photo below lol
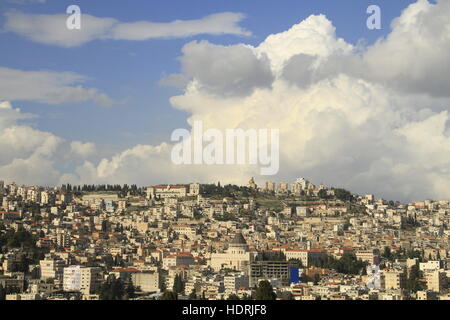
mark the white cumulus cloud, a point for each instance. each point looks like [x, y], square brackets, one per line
[48, 87]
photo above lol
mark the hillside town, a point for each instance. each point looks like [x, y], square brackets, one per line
[207, 241]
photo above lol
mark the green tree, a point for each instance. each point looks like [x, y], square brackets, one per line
[2, 293]
[316, 279]
[169, 295]
[347, 264]
[233, 297]
[131, 291]
[343, 195]
[20, 239]
[112, 289]
[265, 291]
[162, 286]
[322, 194]
[192, 295]
[414, 282]
[387, 253]
[178, 285]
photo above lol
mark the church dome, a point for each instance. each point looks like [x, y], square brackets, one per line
[238, 241]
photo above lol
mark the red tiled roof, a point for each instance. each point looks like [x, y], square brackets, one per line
[126, 270]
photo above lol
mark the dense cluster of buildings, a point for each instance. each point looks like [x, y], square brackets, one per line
[168, 232]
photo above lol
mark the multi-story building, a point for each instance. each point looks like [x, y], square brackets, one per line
[370, 256]
[178, 259]
[186, 230]
[52, 267]
[34, 194]
[83, 279]
[394, 279]
[270, 186]
[45, 197]
[436, 280]
[234, 282]
[63, 240]
[306, 257]
[146, 281]
[12, 284]
[270, 270]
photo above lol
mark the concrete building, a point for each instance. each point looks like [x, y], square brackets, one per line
[52, 267]
[278, 271]
[83, 279]
[306, 257]
[370, 256]
[148, 281]
[178, 259]
[436, 280]
[394, 279]
[270, 186]
[283, 187]
[234, 282]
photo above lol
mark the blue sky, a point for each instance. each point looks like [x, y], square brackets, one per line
[129, 71]
[356, 108]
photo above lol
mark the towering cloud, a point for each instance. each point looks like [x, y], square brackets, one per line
[33, 156]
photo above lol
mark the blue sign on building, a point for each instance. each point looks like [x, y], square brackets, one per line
[295, 275]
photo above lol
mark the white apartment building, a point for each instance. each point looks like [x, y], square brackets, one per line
[83, 279]
[233, 283]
